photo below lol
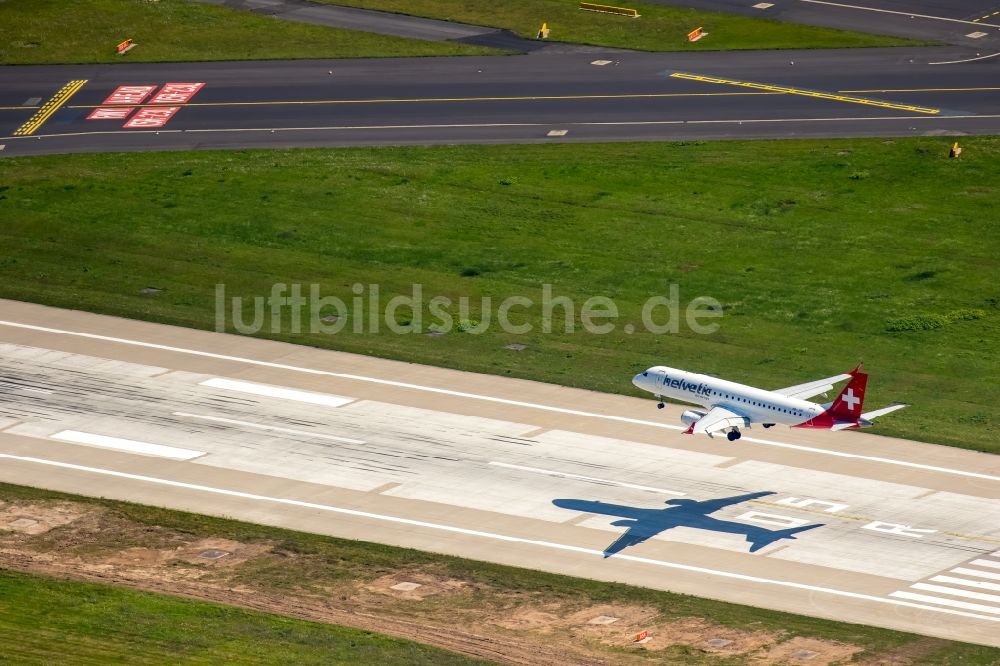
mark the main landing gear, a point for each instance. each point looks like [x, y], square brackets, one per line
[733, 435]
[768, 425]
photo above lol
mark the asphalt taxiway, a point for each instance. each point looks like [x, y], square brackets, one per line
[896, 534]
[974, 23]
[532, 98]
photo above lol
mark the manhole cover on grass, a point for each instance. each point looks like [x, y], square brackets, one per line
[604, 619]
[213, 554]
[434, 334]
[718, 642]
[803, 655]
[405, 587]
[517, 346]
[21, 523]
[149, 291]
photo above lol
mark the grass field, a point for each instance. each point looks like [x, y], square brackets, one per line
[659, 28]
[86, 31]
[34, 613]
[822, 253]
[46, 621]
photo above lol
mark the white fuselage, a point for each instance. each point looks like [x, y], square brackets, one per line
[758, 405]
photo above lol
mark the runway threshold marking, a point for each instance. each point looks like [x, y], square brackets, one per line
[50, 107]
[490, 535]
[806, 93]
[486, 398]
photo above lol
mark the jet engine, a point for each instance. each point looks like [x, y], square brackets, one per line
[691, 416]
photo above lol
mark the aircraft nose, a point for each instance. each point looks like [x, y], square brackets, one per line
[641, 379]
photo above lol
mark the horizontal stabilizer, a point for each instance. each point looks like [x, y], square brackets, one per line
[810, 389]
[882, 412]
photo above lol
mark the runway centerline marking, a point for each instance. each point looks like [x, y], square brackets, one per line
[496, 536]
[262, 426]
[806, 93]
[416, 100]
[890, 11]
[50, 107]
[580, 477]
[485, 398]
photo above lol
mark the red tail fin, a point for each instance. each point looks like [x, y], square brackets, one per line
[848, 404]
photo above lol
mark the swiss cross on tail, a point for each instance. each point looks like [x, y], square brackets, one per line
[848, 404]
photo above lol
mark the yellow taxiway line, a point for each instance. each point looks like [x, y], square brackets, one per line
[50, 107]
[806, 93]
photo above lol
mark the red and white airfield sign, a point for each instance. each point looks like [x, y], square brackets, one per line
[122, 102]
[110, 113]
[129, 95]
[151, 117]
[176, 93]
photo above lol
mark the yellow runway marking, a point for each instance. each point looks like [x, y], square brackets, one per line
[806, 93]
[50, 107]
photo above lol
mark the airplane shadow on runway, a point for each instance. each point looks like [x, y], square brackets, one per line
[643, 524]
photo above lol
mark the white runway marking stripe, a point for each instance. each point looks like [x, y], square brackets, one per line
[476, 396]
[952, 603]
[500, 537]
[956, 592]
[261, 426]
[277, 392]
[986, 563]
[129, 445]
[979, 574]
[968, 583]
[580, 477]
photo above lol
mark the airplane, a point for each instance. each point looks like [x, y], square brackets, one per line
[733, 406]
[643, 524]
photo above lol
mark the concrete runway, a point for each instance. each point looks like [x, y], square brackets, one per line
[579, 97]
[906, 534]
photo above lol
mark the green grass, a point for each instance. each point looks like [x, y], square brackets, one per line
[822, 252]
[45, 621]
[659, 28]
[323, 563]
[86, 31]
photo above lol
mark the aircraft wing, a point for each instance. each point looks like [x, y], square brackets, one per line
[809, 389]
[719, 418]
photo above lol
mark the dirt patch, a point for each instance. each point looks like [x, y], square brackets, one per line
[708, 637]
[32, 519]
[542, 620]
[811, 651]
[415, 585]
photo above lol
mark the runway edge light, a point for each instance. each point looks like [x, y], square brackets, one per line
[543, 32]
[955, 151]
